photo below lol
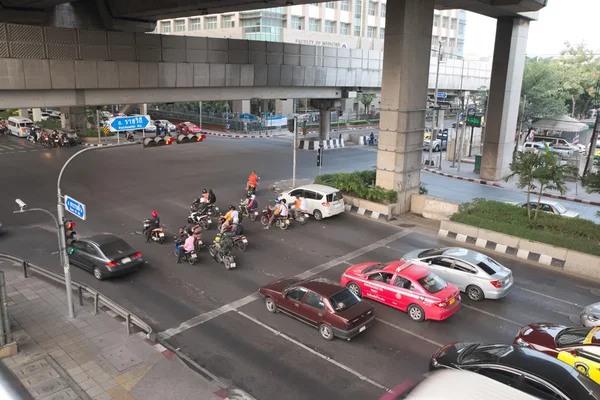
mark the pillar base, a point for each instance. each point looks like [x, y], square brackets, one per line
[9, 350]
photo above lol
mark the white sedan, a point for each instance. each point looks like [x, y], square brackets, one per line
[549, 206]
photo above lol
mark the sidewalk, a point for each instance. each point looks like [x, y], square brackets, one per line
[574, 190]
[91, 356]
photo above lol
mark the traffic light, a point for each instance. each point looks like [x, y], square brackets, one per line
[340, 113]
[291, 124]
[304, 131]
[69, 232]
[319, 153]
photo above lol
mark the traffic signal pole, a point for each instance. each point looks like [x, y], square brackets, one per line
[295, 149]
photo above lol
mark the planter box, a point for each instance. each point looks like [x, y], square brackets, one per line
[382, 209]
[432, 208]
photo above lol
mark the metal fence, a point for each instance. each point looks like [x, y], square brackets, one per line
[5, 329]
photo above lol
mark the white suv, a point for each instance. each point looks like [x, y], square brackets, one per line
[323, 201]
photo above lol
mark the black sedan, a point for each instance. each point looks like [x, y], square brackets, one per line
[525, 369]
[104, 255]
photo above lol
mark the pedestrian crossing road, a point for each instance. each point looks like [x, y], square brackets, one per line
[10, 145]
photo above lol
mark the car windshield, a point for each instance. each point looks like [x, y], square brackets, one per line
[431, 253]
[432, 283]
[560, 208]
[572, 336]
[483, 354]
[343, 300]
[190, 125]
[116, 248]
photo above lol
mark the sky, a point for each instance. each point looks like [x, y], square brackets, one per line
[575, 21]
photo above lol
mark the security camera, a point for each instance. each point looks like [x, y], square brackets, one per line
[21, 204]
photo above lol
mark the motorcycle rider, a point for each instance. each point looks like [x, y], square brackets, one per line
[252, 181]
[297, 206]
[231, 218]
[280, 211]
[212, 199]
[205, 195]
[154, 223]
[250, 204]
[188, 246]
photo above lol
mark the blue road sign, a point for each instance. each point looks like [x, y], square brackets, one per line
[246, 116]
[442, 95]
[74, 207]
[129, 123]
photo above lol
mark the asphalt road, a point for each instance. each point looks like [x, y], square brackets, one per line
[213, 315]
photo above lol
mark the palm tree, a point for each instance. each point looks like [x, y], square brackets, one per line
[550, 175]
[524, 167]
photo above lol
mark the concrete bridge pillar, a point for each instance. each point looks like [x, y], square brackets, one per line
[504, 97]
[284, 106]
[23, 112]
[37, 114]
[407, 50]
[325, 107]
[241, 107]
[73, 118]
[143, 109]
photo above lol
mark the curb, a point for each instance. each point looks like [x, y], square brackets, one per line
[573, 199]
[240, 136]
[109, 144]
[367, 213]
[462, 178]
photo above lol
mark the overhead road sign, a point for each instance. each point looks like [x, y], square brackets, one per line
[75, 207]
[442, 95]
[131, 123]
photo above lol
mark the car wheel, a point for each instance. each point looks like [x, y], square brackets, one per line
[270, 304]
[98, 274]
[475, 293]
[437, 148]
[318, 215]
[354, 288]
[416, 313]
[326, 332]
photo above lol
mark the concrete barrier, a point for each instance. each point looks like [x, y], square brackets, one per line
[305, 144]
[417, 203]
[543, 248]
[364, 207]
[582, 264]
[438, 209]
[497, 237]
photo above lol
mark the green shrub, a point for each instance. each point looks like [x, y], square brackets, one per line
[373, 121]
[359, 122]
[49, 123]
[359, 184]
[8, 113]
[93, 132]
[572, 233]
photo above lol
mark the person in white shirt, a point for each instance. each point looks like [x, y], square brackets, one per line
[281, 211]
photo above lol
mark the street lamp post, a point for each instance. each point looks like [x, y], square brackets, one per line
[435, 104]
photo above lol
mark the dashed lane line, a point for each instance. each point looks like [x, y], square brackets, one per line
[207, 316]
[492, 315]
[433, 342]
[549, 297]
[315, 352]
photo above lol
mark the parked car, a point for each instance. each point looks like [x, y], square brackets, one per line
[323, 201]
[535, 147]
[475, 274]
[105, 255]
[551, 338]
[327, 306]
[187, 127]
[549, 206]
[405, 286]
[438, 144]
[561, 145]
[590, 316]
[527, 370]
[453, 384]
[167, 125]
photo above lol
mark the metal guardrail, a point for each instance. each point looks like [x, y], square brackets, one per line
[99, 298]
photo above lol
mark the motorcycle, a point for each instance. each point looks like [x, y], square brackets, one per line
[46, 141]
[281, 223]
[55, 140]
[190, 256]
[222, 253]
[31, 135]
[239, 241]
[158, 234]
[65, 141]
[239, 229]
[196, 217]
[252, 214]
[251, 189]
[198, 245]
[301, 217]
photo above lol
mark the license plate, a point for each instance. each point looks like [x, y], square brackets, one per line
[245, 240]
[161, 234]
[126, 260]
[194, 255]
[255, 212]
[452, 301]
[232, 265]
[506, 280]
[362, 328]
[209, 221]
[287, 221]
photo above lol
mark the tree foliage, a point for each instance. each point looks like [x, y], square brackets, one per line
[579, 68]
[366, 99]
[479, 98]
[523, 167]
[591, 182]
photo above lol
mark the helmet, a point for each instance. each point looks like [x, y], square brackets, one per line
[231, 207]
[154, 214]
[209, 190]
[283, 201]
[253, 197]
[276, 201]
[203, 191]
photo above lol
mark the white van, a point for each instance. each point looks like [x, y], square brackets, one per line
[459, 385]
[19, 126]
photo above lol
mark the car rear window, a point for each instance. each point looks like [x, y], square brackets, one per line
[334, 197]
[572, 336]
[484, 354]
[343, 300]
[116, 248]
[489, 266]
[432, 283]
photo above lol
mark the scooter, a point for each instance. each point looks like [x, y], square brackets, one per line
[239, 229]
[190, 256]
[251, 189]
[252, 214]
[196, 217]
[158, 234]
[221, 255]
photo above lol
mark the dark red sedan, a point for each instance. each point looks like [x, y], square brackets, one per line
[329, 307]
[551, 338]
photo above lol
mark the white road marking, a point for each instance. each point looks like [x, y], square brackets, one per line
[550, 297]
[433, 342]
[492, 315]
[207, 316]
[315, 352]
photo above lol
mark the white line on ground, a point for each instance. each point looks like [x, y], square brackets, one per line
[433, 342]
[207, 316]
[550, 297]
[315, 352]
[492, 315]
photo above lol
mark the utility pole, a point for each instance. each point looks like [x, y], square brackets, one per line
[520, 127]
[462, 73]
[200, 114]
[435, 103]
[464, 127]
[295, 149]
[591, 152]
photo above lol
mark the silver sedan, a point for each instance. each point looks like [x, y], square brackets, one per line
[477, 275]
[590, 316]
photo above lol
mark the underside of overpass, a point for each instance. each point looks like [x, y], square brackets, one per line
[141, 15]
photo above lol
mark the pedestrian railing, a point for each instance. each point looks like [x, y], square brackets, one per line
[83, 290]
[5, 329]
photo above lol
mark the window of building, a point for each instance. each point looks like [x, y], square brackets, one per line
[435, 41]
[297, 22]
[344, 28]
[436, 20]
[371, 31]
[211, 22]
[372, 8]
[179, 25]
[344, 5]
[313, 24]
[330, 4]
[452, 42]
[166, 26]
[195, 24]
[358, 9]
[227, 21]
[381, 33]
[357, 30]
[453, 23]
[330, 27]
[382, 8]
[444, 22]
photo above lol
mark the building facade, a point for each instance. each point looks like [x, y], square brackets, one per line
[354, 24]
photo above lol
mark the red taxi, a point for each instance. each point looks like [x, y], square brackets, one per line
[405, 286]
[187, 127]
